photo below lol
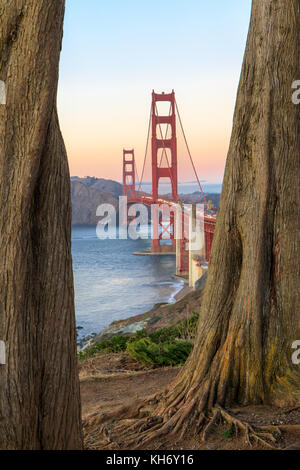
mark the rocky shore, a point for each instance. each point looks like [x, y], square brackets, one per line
[160, 316]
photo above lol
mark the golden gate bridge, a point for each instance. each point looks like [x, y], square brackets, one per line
[164, 165]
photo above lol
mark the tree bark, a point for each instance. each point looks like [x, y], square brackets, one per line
[250, 313]
[39, 387]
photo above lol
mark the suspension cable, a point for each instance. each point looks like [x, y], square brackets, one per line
[136, 172]
[146, 151]
[188, 149]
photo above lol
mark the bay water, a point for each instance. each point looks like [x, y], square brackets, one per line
[111, 283]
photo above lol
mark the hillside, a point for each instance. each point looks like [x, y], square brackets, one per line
[101, 184]
[89, 192]
[85, 200]
[196, 197]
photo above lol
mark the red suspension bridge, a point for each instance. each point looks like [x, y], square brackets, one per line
[164, 165]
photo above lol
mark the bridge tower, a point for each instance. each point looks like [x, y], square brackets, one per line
[128, 174]
[163, 143]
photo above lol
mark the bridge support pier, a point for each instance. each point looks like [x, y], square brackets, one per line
[196, 246]
[190, 245]
[182, 253]
[163, 226]
[178, 229]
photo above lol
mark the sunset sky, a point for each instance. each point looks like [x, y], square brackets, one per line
[116, 51]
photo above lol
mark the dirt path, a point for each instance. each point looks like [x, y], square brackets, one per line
[105, 393]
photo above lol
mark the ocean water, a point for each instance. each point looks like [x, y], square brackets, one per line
[112, 284]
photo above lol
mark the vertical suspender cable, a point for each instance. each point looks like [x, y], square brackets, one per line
[146, 151]
[188, 149]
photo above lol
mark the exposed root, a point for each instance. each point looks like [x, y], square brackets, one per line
[260, 435]
[174, 413]
[289, 427]
[212, 422]
[137, 430]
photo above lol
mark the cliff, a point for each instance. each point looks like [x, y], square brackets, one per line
[108, 186]
[86, 199]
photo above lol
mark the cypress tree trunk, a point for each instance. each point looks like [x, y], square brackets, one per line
[250, 314]
[39, 387]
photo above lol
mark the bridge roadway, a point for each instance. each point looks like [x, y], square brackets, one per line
[190, 261]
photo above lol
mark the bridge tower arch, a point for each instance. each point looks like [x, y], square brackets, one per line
[163, 143]
[128, 173]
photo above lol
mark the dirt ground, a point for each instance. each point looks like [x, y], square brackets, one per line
[107, 390]
[108, 381]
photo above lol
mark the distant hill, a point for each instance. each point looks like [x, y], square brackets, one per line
[101, 184]
[87, 197]
[196, 197]
[89, 192]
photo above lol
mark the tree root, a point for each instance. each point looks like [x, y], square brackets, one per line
[173, 413]
[137, 430]
[259, 435]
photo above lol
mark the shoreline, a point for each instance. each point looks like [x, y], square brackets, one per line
[179, 291]
[182, 293]
[186, 301]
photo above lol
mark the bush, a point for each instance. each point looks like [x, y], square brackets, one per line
[168, 346]
[184, 330]
[162, 354]
[115, 344]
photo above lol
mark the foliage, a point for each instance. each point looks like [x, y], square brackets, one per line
[167, 346]
[115, 344]
[161, 354]
[184, 330]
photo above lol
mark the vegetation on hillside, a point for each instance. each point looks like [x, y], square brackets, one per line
[167, 346]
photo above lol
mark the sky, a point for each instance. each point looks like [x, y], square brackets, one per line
[115, 52]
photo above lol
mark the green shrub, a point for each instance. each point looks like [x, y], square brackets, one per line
[184, 330]
[160, 354]
[115, 344]
[168, 346]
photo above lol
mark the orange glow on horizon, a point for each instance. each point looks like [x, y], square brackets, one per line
[95, 148]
